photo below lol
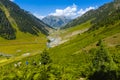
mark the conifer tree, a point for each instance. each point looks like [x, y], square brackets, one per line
[104, 67]
[45, 65]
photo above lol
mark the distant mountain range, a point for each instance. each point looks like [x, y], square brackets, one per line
[13, 20]
[56, 21]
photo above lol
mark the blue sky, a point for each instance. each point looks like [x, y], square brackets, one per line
[70, 8]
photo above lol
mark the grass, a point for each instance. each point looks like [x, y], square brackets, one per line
[70, 30]
[24, 42]
[27, 44]
[18, 58]
[72, 58]
[68, 52]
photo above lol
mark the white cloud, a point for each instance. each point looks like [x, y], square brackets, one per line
[38, 16]
[71, 11]
[82, 11]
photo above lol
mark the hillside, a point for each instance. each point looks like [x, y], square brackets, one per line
[98, 15]
[56, 21]
[20, 31]
[15, 20]
[92, 53]
[72, 58]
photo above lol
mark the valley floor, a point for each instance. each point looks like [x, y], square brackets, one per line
[72, 54]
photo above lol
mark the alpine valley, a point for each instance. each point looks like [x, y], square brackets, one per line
[85, 48]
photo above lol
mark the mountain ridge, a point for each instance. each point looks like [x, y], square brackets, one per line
[21, 21]
[56, 21]
[96, 15]
[90, 55]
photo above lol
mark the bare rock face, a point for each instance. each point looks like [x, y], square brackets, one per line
[56, 21]
[117, 4]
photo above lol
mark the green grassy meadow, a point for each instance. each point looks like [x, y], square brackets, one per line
[70, 61]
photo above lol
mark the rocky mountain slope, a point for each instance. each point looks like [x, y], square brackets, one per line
[56, 21]
[13, 20]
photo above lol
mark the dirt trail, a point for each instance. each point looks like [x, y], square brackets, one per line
[76, 33]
